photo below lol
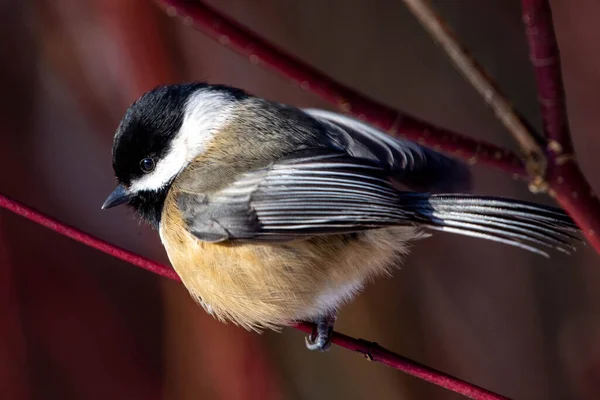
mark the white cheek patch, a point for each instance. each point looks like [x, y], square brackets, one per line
[206, 113]
[166, 168]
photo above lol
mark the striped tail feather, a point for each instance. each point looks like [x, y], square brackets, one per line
[517, 223]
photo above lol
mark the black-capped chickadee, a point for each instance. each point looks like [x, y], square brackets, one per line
[272, 214]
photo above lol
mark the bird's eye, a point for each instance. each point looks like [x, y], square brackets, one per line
[147, 165]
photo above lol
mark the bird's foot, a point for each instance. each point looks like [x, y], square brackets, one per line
[319, 342]
[320, 338]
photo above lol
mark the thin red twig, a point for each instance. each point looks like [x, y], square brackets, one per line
[370, 350]
[89, 240]
[567, 182]
[373, 352]
[261, 52]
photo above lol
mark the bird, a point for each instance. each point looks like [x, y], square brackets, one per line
[272, 214]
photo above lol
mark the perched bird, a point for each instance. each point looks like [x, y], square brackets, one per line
[272, 214]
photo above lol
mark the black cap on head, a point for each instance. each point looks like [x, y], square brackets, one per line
[145, 134]
[147, 128]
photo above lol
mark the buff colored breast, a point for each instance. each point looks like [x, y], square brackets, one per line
[258, 285]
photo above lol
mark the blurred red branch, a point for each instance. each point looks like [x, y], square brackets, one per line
[13, 347]
[565, 178]
[260, 52]
[371, 350]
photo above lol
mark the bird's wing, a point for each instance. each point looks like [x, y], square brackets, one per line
[312, 192]
[320, 192]
[414, 166]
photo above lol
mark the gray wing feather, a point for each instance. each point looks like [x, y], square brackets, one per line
[415, 166]
[315, 194]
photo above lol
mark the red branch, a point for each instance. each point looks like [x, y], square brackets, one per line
[567, 182]
[544, 56]
[82, 237]
[261, 52]
[370, 350]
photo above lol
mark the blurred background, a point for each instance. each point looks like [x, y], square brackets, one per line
[77, 324]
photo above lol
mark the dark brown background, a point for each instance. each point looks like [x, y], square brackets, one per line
[76, 324]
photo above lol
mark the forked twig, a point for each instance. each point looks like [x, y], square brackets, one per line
[553, 169]
[483, 84]
[567, 182]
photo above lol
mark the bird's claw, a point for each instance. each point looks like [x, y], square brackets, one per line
[320, 339]
[319, 342]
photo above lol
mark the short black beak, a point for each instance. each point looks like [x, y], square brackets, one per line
[119, 196]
